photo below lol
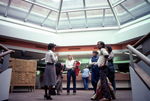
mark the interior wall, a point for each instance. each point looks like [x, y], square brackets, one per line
[139, 91]
[17, 31]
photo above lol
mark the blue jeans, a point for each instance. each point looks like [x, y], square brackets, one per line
[85, 82]
[69, 74]
[94, 78]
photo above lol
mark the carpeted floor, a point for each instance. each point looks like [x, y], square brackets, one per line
[82, 95]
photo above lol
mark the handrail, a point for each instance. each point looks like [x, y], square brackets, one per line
[143, 75]
[139, 54]
[3, 47]
[141, 40]
[7, 52]
[146, 54]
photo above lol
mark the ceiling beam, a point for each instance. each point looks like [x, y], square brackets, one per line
[147, 2]
[29, 12]
[114, 13]
[126, 10]
[69, 20]
[43, 6]
[8, 5]
[46, 18]
[58, 17]
[103, 17]
[85, 9]
[84, 5]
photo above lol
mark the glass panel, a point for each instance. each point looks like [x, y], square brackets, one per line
[77, 19]
[93, 3]
[53, 15]
[132, 3]
[95, 18]
[70, 4]
[21, 5]
[3, 5]
[94, 13]
[3, 1]
[40, 11]
[109, 19]
[76, 14]
[119, 9]
[50, 3]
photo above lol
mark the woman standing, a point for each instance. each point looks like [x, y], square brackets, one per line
[111, 69]
[50, 71]
[70, 66]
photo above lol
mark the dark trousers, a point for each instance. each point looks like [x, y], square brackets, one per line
[94, 78]
[85, 82]
[113, 82]
[69, 74]
[104, 83]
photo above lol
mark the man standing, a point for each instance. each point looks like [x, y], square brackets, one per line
[102, 61]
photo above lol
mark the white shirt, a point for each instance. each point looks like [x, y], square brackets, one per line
[70, 64]
[50, 58]
[102, 55]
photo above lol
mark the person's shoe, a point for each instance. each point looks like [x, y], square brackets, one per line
[45, 96]
[58, 93]
[104, 99]
[74, 93]
[48, 97]
[93, 99]
[68, 93]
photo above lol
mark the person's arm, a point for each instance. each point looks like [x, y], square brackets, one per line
[90, 62]
[54, 58]
[111, 56]
[105, 53]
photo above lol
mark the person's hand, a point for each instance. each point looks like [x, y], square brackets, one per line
[57, 54]
[101, 65]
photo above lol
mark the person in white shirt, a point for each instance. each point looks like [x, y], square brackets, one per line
[50, 72]
[85, 77]
[102, 64]
[70, 66]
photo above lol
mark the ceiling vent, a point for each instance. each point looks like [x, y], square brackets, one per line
[41, 47]
[74, 48]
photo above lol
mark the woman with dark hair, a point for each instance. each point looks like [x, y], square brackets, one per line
[94, 67]
[111, 69]
[50, 71]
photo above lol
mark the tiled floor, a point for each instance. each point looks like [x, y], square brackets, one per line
[82, 95]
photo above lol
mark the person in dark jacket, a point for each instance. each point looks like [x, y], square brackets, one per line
[94, 67]
[111, 69]
[59, 70]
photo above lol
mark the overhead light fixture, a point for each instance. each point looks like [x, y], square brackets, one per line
[43, 59]
[134, 54]
[126, 53]
[59, 0]
[129, 53]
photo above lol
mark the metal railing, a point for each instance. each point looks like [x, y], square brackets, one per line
[139, 71]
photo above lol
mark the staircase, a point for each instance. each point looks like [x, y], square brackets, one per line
[5, 72]
[140, 69]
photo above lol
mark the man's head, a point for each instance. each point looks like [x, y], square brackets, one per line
[100, 44]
